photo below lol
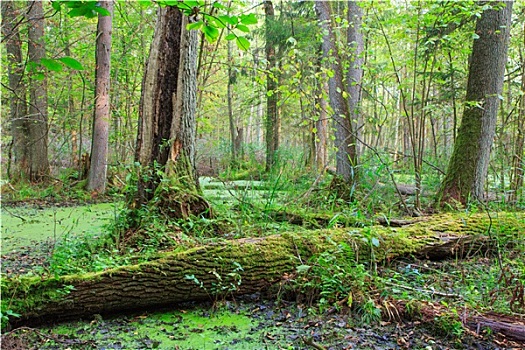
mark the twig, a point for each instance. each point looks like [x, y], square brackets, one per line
[15, 215]
[310, 341]
[433, 292]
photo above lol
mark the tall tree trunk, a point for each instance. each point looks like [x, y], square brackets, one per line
[272, 112]
[17, 97]
[321, 127]
[355, 71]
[37, 122]
[468, 166]
[233, 128]
[99, 146]
[516, 185]
[167, 125]
[344, 137]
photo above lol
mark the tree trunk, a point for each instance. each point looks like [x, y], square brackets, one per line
[468, 166]
[167, 125]
[17, 97]
[37, 119]
[241, 266]
[233, 128]
[355, 71]
[99, 146]
[272, 112]
[321, 134]
[344, 138]
[516, 185]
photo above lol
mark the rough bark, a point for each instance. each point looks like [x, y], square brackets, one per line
[37, 119]
[167, 124]
[167, 108]
[272, 112]
[240, 266]
[102, 114]
[344, 138]
[468, 166]
[18, 90]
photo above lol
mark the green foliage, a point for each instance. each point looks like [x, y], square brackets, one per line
[335, 279]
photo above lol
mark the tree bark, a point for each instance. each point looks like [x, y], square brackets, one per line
[344, 137]
[272, 112]
[167, 125]
[102, 115]
[37, 119]
[355, 71]
[241, 266]
[233, 127]
[17, 97]
[468, 165]
[516, 184]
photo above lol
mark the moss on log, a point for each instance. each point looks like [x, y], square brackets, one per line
[240, 266]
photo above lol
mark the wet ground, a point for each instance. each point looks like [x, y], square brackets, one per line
[248, 323]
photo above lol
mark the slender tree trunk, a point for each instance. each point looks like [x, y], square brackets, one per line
[233, 128]
[321, 126]
[468, 166]
[37, 119]
[99, 147]
[516, 185]
[272, 112]
[344, 138]
[355, 71]
[17, 97]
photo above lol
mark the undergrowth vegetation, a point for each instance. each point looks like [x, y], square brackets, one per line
[248, 203]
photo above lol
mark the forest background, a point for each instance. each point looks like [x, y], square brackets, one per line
[344, 113]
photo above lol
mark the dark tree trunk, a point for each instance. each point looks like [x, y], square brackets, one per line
[99, 147]
[344, 138]
[37, 119]
[272, 112]
[17, 97]
[468, 167]
[167, 125]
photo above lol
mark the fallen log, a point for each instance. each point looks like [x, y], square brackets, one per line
[507, 327]
[239, 267]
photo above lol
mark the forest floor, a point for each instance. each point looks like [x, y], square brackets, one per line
[30, 233]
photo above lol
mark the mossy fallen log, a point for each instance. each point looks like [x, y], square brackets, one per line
[243, 266]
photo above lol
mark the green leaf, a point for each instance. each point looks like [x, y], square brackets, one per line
[194, 25]
[39, 76]
[243, 28]
[78, 12]
[302, 268]
[230, 36]
[211, 33]
[219, 6]
[71, 63]
[102, 11]
[228, 19]
[144, 3]
[249, 19]
[242, 43]
[56, 5]
[51, 64]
